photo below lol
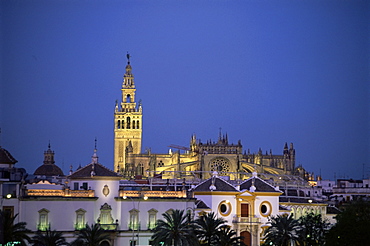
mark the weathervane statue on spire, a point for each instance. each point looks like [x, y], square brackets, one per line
[128, 57]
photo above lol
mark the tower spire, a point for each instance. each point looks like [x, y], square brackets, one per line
[127, 120]
[94, 158]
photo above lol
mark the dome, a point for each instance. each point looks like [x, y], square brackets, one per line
[6, 157]
[49, 170]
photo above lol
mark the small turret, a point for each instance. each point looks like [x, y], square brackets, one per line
[49, 156]
[285, 152]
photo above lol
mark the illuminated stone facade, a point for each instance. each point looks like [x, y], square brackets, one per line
[198, 161]
[127, 124]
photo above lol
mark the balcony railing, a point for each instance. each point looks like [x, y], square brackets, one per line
[109, 227]
[248, 220]
[79, 226]
[63, 193]
[135, 226]
[43, 227]
[150, 193]
[151, 225]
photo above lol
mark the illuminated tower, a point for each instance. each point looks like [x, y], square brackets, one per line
[127, 124]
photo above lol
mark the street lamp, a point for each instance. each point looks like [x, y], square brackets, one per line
[8, 196]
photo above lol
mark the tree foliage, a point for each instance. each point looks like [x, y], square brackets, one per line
[228, 237]
[284, 231]
[352, 227]
[176, 229]
[208, 228]
[314, 229]
[91, 236]
[14, 231]
[49, 238]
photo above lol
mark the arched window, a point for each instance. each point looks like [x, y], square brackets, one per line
[128, 98]
[122, 124]
[140, 169]
[134, 223]
[152, 219]
[137, 125]
[118, 124]
[128, 123]
[247, 238]
[80, 219]
[43, 220]
[133, 124]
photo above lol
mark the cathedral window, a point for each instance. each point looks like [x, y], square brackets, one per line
[43, 220]
[133, 124]
[140, 169]
[128, 98]
[137, 125]
[128, 122]
[118, 124]
[80, 219]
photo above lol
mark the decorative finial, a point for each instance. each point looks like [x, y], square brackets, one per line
[128, 57]
[213, 187]
[95, 157]
[49, 144]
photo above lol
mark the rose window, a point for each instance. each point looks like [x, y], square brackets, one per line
[221, 165]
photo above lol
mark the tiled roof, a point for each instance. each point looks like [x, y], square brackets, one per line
[201, 204]
[96, 169]
[293, 192]
[219, 183]
[261, 186]
[283, 208]
[6, 157]
[333, 210]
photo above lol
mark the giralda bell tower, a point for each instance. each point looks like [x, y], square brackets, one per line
[127, 123]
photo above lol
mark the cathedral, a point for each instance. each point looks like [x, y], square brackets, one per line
[198, 161]
[241, 187]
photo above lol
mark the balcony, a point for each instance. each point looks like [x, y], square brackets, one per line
[109, 227]
[62, 193]
[150, 193]
[134, 226]
[246, 220]
[43, 227]
[79, 226]
[151, 225]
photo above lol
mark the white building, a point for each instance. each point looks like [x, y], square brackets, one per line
[93, 194]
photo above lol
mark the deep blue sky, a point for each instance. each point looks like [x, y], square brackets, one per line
[267, 72]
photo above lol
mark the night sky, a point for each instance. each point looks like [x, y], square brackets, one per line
[265, 71]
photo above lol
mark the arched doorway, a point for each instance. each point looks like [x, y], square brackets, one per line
[104, 243]
[247, 240]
